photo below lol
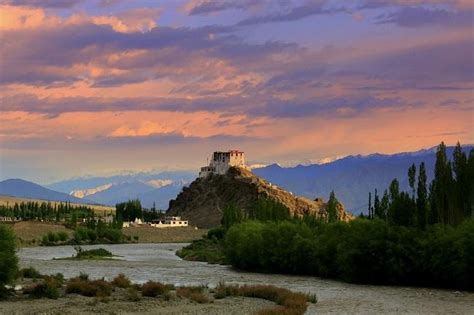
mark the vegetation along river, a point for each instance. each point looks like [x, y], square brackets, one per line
[143, 262]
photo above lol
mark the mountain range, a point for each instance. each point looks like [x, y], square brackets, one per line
[24, 189]
[351, 177]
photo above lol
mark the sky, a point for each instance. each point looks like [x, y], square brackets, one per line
[98, 87]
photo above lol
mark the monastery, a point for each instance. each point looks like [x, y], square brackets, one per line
[222, 161]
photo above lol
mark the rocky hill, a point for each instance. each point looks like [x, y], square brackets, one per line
[203, 201]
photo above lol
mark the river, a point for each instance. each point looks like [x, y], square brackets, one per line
[143, 262]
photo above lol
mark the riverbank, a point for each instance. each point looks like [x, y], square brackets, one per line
[36, 293]
[117, 304]
[158, 262]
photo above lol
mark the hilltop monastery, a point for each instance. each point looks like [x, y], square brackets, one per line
[222, 161]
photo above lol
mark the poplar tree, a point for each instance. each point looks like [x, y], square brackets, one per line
[422, 197]
[377, 212]
[370, 205]
[411, 178]
[332, 207]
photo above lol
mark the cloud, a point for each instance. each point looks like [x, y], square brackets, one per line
[194, 7]
[55, 4]
[146, 128]
[311, 8]
[419, 16]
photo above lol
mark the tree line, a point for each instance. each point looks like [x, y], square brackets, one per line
[448, 199]
[33, 210]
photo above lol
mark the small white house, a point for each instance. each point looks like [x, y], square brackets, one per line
[169, 222]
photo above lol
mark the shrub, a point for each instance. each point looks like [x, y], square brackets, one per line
[52, 237]
[153, 289]
[199, 298]
[46, 289]
[186, 292]
[8, 259]
[63, 236]
[98, 288]
[30, 273]
[121, 281]
[80, 235]
[135, 238]
[112, 235]
[5, 292]
[216, 233]
[132, 295]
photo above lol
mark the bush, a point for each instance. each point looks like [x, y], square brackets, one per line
[30, 273]
[5, 293]
[112, 235]
[63, 236]
[8, 259]
[153, 289]
[132, 295]
[121, 281]
[81, 235]
[85, 287]
[46, 289]
[52, 237]
[209, 250]
[216, 233]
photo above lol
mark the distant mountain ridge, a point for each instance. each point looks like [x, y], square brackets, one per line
[352, 177]
[24, 189]
[151, 188]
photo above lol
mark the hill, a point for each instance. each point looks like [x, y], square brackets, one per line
[25, 189]
[203, 201]
[352, 177]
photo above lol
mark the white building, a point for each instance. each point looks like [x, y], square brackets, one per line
[222, 161]
[169, 222]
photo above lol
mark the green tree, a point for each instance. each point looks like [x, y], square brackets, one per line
[442, 187]
[422, 197]
[369, 210]
[462, 184]
[332, 207]
[412, 178]
[231, 215]
[377, 209]
[8, 259]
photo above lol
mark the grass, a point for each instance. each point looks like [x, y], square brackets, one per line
[289, 303]
[208, 250]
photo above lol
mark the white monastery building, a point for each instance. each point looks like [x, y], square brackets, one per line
[169, 222]
[222, 161]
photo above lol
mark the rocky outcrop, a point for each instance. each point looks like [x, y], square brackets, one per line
[203, 201]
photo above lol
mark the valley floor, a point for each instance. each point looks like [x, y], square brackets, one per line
[29, 233]
[148, 234]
